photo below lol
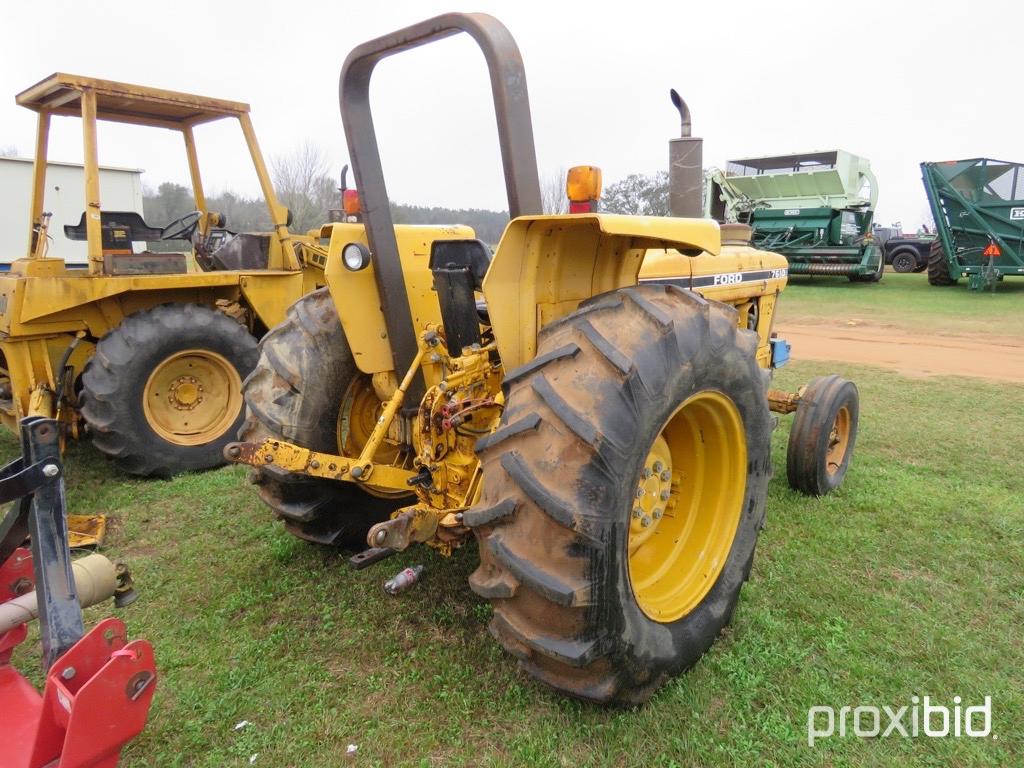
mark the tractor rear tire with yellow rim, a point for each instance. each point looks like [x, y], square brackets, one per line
[623, 492]
[163, 392]
[823, 435]
[297, 392]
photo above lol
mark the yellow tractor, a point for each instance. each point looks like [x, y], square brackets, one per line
[144, 350]
[590, 404]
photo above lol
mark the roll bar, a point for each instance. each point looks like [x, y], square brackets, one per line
[515, 135]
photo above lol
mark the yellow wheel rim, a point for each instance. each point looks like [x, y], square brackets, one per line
[838, 440]
[360, 409]
[192, 397]
[686, 506]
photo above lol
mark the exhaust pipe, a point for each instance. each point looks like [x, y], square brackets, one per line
[685, 166]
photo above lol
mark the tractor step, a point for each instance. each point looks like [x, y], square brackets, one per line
[369, 557]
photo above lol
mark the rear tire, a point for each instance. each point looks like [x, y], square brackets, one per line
[823, 436]
[162, 393]
[295, 393]
[938, 266]
[904, 262]
[562, 550]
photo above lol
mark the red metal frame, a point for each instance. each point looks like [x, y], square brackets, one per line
[95, 700]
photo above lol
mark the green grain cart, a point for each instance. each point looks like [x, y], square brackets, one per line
[815, 209]
[978, 206]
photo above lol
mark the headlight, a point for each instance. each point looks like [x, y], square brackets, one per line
[356, 256]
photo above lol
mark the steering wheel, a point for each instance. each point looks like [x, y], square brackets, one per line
[182, 227]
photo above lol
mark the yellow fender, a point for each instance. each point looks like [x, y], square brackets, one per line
[546, 265]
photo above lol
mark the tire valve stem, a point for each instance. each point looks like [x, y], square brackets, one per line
[402, 580]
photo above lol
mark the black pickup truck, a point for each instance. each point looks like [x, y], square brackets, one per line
[908, 253]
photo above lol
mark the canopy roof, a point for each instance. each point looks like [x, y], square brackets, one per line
[61, 94]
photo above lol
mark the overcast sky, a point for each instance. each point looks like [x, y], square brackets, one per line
[897, 82]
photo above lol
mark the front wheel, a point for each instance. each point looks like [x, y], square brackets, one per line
[823, 435]
[163, 392]
[624, 492]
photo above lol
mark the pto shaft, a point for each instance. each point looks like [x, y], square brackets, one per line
[95, 581]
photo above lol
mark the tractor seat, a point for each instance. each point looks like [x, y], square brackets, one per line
[118, 231]
[119, 220]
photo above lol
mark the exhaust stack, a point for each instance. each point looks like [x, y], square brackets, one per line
[685, 166]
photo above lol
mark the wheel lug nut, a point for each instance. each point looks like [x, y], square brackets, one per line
[646, 521]
[646, 473]
[637, 512]
[665, 494]
[656, 514]
[639, 493]
[658, 466]
[666, 476]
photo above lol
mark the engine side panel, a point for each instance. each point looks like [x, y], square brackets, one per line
[357, 298]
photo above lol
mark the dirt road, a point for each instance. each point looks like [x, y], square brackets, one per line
[999, 358]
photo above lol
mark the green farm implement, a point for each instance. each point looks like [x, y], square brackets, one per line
[815, 209]
[978, 206]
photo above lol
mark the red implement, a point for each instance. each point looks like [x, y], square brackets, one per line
[95, 700]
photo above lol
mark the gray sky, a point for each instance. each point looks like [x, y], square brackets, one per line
[896, 82]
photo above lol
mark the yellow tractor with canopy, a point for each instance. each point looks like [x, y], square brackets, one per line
[146, 351]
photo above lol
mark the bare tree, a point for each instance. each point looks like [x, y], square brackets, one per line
[552, 193]
[304, 184]
[8, 150]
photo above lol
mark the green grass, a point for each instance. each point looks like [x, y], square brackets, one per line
[907, 581]
[906, 301]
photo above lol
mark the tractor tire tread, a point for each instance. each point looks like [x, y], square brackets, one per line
[543, 541]
[938, 266]
[569, 594]
[294, 393]
[805, 468]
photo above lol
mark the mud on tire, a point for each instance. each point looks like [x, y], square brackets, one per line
[295, 393]
[115, 379]
[560, 476]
